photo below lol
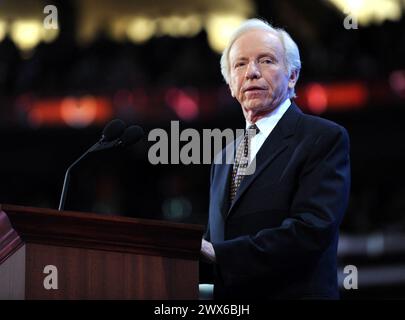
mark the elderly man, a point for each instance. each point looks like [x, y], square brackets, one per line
[273, 233]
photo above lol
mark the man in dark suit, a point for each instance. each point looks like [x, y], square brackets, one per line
[273, 232]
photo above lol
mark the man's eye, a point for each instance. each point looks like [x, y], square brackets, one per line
[267, 61]
[239, 64]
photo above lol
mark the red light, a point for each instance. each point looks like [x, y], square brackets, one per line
[317, 98]
[338, 96]
[183, 103]
[76, 112]
[347, 96]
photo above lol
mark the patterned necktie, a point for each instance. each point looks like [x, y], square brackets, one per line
[241, 160]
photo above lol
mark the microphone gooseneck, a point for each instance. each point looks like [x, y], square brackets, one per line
[110, 136]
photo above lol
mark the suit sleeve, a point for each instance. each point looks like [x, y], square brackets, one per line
[311, 225]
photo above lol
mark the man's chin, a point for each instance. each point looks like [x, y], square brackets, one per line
[254, 105]
[256, 108]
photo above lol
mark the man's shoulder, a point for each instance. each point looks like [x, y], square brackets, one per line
[321, 131]
[317, 125]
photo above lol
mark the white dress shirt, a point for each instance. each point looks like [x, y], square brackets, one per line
[266, 126]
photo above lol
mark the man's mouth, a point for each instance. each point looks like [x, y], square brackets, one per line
[254, 88]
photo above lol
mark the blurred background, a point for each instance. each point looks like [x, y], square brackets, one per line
[149, 62]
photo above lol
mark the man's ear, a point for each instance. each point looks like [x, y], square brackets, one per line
[293, 78]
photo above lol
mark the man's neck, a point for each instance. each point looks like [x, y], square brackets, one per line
[252, 117]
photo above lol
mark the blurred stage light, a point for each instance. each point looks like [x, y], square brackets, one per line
[171, 26]
[78, 113]
[44, 112]
[35, 118]
[220, 28]
[141, 29]
[139, 21]
[26, 34]
[319, 98]
[192, 25]
[3, 29]
[49, 35]
[176, 209]
[75, 112]
[185, 104]
[369, 11]
[117, 29]
[397, 82]
[176, 26]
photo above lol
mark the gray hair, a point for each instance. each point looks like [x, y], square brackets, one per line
[291, 57]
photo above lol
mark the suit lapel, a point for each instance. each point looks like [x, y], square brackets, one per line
[272, 147]
[225, 172]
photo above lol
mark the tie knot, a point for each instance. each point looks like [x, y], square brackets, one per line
[254, 127]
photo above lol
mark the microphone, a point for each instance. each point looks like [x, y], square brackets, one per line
[111, 132]
[131, 136]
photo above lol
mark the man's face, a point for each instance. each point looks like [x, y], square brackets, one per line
[258, 75]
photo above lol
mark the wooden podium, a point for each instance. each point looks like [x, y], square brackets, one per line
[50, 254]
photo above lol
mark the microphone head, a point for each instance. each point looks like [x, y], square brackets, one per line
[131, 135]
[113, 130]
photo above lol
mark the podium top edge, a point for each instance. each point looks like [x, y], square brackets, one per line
[97, 216]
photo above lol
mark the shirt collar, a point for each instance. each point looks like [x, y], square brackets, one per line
[268, 122]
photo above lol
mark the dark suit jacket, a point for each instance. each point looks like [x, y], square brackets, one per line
[278, 238]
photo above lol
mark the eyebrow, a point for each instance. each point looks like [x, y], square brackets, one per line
[267, 54]
[261, 55]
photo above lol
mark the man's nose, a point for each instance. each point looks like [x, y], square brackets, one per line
[253, 71]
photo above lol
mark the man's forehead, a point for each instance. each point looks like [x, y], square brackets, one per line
[256, 39]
